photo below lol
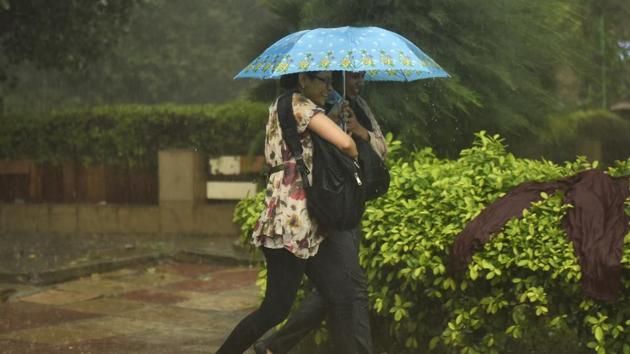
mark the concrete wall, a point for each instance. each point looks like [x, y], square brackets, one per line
[183, 208]
[212, 219]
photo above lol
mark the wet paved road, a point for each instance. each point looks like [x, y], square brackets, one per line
[166, 308]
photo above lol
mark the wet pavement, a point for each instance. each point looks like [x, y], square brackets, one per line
[51, 258]
[168, 307]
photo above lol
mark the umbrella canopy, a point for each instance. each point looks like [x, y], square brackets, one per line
[382, 54]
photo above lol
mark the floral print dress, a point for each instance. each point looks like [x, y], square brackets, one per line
[285, 222]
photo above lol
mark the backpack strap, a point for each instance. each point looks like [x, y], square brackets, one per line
[290, 133]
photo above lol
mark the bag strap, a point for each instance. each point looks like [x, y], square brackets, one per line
[290, 133]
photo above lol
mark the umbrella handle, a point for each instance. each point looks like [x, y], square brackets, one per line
[343, 84]
[343, 96]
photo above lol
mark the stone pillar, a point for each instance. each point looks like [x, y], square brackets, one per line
[181, 178]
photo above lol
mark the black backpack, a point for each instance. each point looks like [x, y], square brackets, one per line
[336, 198]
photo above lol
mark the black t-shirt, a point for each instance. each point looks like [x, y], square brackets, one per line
[361, 116]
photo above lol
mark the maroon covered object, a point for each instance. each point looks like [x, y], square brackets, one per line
[596, 225]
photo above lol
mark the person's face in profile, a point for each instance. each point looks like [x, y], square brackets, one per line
[354, 83]
[316, 86]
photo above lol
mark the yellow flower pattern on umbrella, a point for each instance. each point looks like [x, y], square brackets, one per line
[267, 67]
[305, 63]
[346, 62]
[325, 62]
[404, 59]
[386, 59]
[283, 67]
[258, 65]
[366, 58]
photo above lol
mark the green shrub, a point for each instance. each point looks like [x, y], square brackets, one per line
[521, 293]
[132, 134]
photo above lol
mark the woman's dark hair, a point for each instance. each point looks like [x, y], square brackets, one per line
[290, 81]
[337, 80]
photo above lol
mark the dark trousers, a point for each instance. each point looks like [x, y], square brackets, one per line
[313, 309]
[284, 275]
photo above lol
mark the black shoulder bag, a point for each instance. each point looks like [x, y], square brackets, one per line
[376, 175]
[336, 198]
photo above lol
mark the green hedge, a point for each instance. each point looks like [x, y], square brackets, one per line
[520, 294]
[133, 134]
[563, 135]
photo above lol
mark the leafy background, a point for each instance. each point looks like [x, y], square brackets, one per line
[516, 65]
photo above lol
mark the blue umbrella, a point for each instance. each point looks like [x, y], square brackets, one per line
[382, 54]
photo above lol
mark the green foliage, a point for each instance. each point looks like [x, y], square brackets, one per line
[513, 63]
[58, 34]
[132, 133]
[606, 77]
[563, 135]
[502, 56]
[246, 215]
[521, 292]
[184, 52]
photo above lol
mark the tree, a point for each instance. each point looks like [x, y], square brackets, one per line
[176, 51]
[502, 55]
[606, 30]
[185, 51]
[57, 34]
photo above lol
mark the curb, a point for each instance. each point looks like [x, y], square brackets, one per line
[68, 273]
[192, 256]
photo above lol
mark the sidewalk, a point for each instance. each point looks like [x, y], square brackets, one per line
[169, 307]
[108, 294]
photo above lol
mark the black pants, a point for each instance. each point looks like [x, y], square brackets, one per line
[284, 275]
[313, 309]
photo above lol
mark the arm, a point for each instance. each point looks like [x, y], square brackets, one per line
[355, 127]
[323, 126]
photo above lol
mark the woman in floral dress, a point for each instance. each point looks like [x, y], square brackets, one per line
[312, 310]
[293, 243]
